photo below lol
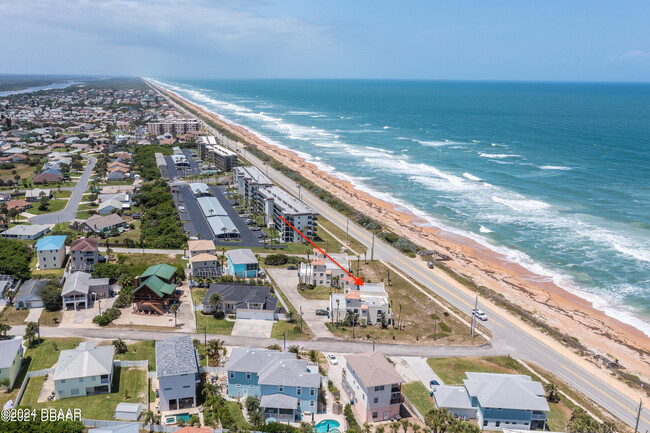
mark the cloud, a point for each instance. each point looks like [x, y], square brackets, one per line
[634, 54]
[173, 28]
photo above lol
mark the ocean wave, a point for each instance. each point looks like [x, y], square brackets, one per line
[471, 177]
[484, 230]
[498, 155]
[554, 167]
[436, 143]
[380, 150]
[387, 127]
[522, 205]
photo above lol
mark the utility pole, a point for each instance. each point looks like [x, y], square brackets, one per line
[38, 326]
[474, 317]
[399, 320]
[435, 324]
[347, 222]
[205, 336]
[284, 338]
[301, 318]
[373, 345]
[372, 249]
[388, 278]
[638, 416]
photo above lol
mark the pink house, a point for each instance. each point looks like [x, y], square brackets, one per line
[373, 385]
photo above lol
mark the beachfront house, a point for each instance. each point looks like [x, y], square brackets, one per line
[177, 370]
[370, 301]
[51, 252]
[86, 370]
[84, 254]
[11, 358]
[374, 386]
[324, 272]
[79, 289]
[287, 387]
[155, 290]
[242, 263]
[197, 247]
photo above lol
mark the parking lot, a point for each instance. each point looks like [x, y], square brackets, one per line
[173, 172]
[195, 222]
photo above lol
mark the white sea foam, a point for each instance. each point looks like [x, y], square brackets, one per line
[484, 230]
[471, 177]
[486, 201]
[380, 150]
[554, 167]
[387, 127]
[435, 143]
[498, 155]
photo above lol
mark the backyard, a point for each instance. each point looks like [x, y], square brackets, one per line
[419, 396]
[129, 386]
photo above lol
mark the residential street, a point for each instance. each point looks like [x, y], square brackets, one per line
[70, 211]
[510, 332]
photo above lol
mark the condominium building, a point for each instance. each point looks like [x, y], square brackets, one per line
[279, 206]
[222, 158]
[249, 180]
[322, 271]
[173, 126]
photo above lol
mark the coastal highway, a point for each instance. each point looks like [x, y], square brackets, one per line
[526, 342]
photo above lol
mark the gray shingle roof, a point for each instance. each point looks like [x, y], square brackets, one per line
[81, 282]
[84, 361]
[253, 360]
[290, 372]
[26, 230]
[8, 349]
[31, 289]
[241, 294]
[175, 356]
[373, 369]
[506, 391]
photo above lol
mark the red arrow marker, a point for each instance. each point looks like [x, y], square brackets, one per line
[357, 281]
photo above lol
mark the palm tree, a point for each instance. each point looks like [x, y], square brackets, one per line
[416, 428]
[215, 300]
[4, 328]
[380, 429]
[256, 418]
[120, 346]
[252, 403]
[366, 428]
[174, 310]
[405, 424]
[552, 392]
[30, 331]
[214, 350]
[394, 427]
[383, 319]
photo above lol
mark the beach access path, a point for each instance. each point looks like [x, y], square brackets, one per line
[523, 341]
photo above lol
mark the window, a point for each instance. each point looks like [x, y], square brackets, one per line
[311, 403]
[232, 374]
[499, 408]
[497, 424]
[238, 385]
[379, 388]
[484, 423]
[248, 375]
[186, 386]
[62, 380]
[81, 379]
[74, 391]
[184, 374]
[375, 415]
[167, 389]
[281, 388]
[298, 390]
[252, 386]
[376, 400]
[312, 391]
[94, 378]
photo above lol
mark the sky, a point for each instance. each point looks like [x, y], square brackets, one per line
[410, 39]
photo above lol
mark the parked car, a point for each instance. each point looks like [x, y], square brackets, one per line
[291, 268]
[480, 314]
[321, 312]
[434, 383]
[261, 236]
[332, 359]
[181, 208]
[430, 265]
[255, 229]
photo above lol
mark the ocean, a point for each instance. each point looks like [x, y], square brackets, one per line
[555, 176]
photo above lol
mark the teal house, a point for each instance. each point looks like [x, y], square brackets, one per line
[242, 263]
[287, 387]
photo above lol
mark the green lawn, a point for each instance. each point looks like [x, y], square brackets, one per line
[83, 215]
[319, 292]
[237, 415]
[292, 331]
[452, 370]
[419, 396]
[129, 386]
[11, 395]
[139, 351]
[340, 234]
[51, 318]
[61, 194]
[87, 206]
[45, 356]
[558, 418]
[54, 206]
[22, 170]
[214, 326]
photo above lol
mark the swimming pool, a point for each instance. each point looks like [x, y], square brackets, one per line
[326, 425]
[174, 419]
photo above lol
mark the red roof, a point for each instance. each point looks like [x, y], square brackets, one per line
[86, 244]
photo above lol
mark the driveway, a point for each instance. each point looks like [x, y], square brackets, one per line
[34, 314]
[70, 211]
[252, 328]
[287, 281]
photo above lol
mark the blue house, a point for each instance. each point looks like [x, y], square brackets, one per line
[287, 387]
[500, 401]
[242, 263]
[51, 252]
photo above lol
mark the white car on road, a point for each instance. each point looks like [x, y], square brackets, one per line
[479, 315]
[332, 359]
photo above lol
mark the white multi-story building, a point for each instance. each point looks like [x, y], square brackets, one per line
[222, 158]
[324, 272]
[177, 369]
[279, 206]
[51, 252]
[370, 301]
[249, 180]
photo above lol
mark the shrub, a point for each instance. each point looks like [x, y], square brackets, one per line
[276, 259]
[349, 416]
[219, 315]
[107, 317]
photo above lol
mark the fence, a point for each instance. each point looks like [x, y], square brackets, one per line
[26, 379]
[139, 363]
[93, 423]
[213, 371]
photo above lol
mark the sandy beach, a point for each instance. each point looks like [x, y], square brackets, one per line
[570, 313]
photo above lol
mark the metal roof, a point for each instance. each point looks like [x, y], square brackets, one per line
[8, 350]
[241, 256]
[506, 391]
[84, 361]
[50, 243]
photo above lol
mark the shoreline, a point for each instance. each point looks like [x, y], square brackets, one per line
[573, 314]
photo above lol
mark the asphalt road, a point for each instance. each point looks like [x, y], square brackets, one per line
[529, 345]
[173, 172]
[70, 210]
